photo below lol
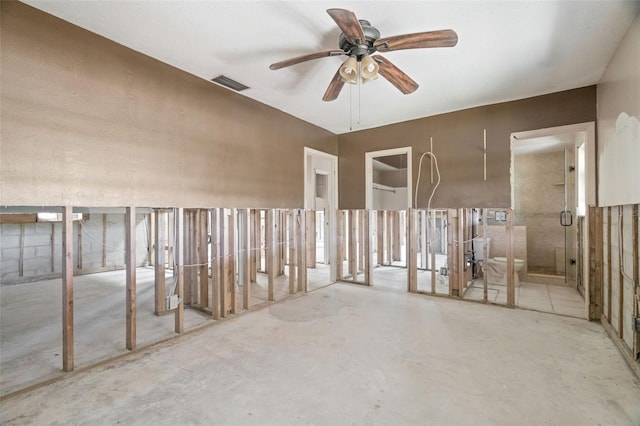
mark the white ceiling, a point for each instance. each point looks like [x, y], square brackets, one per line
[507, 49]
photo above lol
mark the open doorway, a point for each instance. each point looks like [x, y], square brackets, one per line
[320, 201]
[388, 177]
[552, 182]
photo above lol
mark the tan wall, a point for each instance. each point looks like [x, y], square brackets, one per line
[458, 143]
[88, 122]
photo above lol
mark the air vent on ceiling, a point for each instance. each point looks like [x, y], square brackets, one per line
[231, 84]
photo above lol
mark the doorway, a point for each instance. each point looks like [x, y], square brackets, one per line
[321, 202]
[552, 182]
[388, 194]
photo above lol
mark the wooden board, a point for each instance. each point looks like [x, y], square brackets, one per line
[130, 250]
[67, 289]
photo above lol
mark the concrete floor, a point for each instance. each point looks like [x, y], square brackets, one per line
[348, 354]
[31, 332]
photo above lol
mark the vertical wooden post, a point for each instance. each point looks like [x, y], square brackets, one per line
[432, 244]
[339, 244]
[397, 241]
[223, 254]
[104, 241]
[301, 249]
[21, 252]
[203, 257]
[511, 293]
[485, 256]
[423, 240]
[595, 263]
[243, 259]
[366, 242]
[53, 248]
[292, 251]
[620, 274]
[310, 237]
[216, 264]
[152, 238]
[254, 238]
[187, 252]
[412, 254]
[159, 261]
[179, 267]
[452, 258]
[271, 230]
[67, 289]
[352, 249]
[361, 238]
[380, 237]
[609, 268]
[636, 275]
[130, 244]
[232, 261]
[78, 247]
[388, 237]
[282, 241]
[461, 257]
[171, 238]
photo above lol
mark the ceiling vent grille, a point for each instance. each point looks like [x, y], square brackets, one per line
[231, 84]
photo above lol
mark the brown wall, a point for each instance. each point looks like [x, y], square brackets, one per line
[88, 122]
[458, 143]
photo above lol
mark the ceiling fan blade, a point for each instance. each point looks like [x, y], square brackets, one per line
[395, 76]
[348, 23]
[334, 88]
[441, 38]
[307, 57]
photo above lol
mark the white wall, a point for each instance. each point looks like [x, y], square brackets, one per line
[619, 124]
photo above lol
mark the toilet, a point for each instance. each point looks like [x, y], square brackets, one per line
[496, 267]
[497, 270]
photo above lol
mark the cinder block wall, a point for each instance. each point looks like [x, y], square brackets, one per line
[38, 246]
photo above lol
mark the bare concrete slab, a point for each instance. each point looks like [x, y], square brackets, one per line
[348, 354]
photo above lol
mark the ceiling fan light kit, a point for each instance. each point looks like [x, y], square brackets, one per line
[360, 40]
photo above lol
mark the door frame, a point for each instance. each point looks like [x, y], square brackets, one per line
[368, 168]
[332, 199]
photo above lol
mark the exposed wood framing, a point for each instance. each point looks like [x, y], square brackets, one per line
[243, 256]
[609, 268]
[595, 262]
[216, 263]
[188, 259]
[254, 227]
[231, 261]
[179, 268]
[380, 237]
[310, 236]
[130, 250]
[203, 257]
[104, 240]
[412, 252]
[282, 241]
[460, 257]
[80, 250]
[159, 261]
[396, 239]
[301, 245]
[452, 259]
[511, 294]
[224, 262]
[339, 244]
[432, 236]
[21, 253]
[67, 289]
[485, 257]
[271, 230]
[620, 273]
[171, 238]
[366, 243]
[292, 251]
[636, 276]
[151, 238]
[361, 237]
[15, 218]
[388, 235]
[53, 248]
[352, 248]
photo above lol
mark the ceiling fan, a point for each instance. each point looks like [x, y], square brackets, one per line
[359, 40]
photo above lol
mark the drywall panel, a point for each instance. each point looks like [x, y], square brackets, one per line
[619, 124]
[458, 146]
[86, 121]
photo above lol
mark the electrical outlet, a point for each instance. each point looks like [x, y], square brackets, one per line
[172, 302]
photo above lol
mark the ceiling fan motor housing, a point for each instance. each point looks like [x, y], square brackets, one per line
[371, 34]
